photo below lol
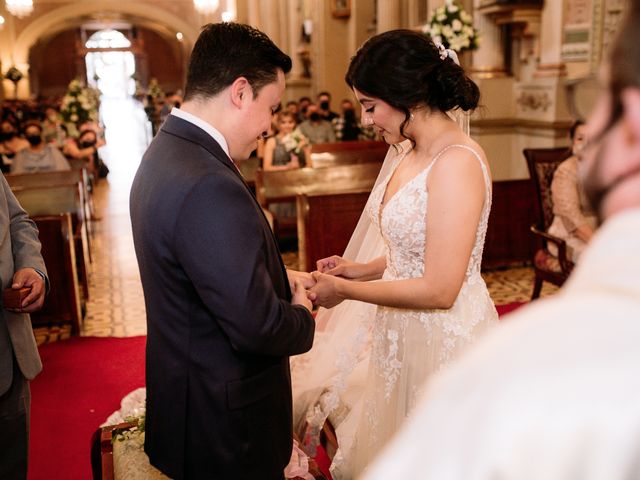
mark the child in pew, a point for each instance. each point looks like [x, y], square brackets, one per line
[288, 149]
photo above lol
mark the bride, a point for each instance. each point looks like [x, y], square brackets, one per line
[421, 238]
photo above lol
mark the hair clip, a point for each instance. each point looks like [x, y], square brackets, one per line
[447, 52]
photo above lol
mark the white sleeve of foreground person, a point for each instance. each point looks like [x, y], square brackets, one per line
[554, 393]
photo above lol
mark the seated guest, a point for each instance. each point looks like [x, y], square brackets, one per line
[324, 103]
[315, 128]
[85, 147]
[288, 149]
[573, 220]
[292, 107]
[38, 156]
[346, 125]
[52, 129]
[303, 104]
[10, 143]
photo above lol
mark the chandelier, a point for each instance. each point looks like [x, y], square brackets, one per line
[206, 7]
[19, 8]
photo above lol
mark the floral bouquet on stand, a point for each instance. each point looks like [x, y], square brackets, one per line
[79, 105]
[451, 26]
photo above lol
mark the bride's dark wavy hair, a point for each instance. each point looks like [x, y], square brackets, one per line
[404, 69]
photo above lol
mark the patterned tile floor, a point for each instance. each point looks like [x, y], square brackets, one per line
[116, 305]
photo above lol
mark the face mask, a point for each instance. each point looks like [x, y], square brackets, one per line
[349, 114]
[87, 144]
[324, 105]
[314, 117]
[4, 136]
[34, 140]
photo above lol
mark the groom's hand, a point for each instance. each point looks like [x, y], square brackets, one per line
[300, 296]
[303, 277]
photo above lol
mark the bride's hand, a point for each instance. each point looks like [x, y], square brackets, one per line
[339, 267]
[325, 292]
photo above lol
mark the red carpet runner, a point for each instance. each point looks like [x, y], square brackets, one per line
[82, 383]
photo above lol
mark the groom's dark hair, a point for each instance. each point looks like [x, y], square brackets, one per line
[227, 51]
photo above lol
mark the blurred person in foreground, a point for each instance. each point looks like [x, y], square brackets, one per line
[554, 393]
[21, 266]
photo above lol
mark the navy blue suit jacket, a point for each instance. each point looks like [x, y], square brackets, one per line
[220, 322]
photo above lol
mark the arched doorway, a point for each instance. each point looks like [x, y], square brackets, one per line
[110, 64]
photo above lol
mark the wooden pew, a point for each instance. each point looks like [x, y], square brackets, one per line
[66, 177]
[286, 185]
[248, 168]
[62, 304]
[325, 155]
[325, 224]
[56, 199]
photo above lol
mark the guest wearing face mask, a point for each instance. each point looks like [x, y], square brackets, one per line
[38, 156]
[324, 102]
[10, 144]
[346, 125]
[315, 128]
[52, 128]
[303, 104]
[574, 221]
[85, 148]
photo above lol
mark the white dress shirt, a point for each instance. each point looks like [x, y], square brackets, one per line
[553, 393]
[207, 127]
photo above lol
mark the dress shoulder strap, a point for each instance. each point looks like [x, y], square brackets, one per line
[485, 173]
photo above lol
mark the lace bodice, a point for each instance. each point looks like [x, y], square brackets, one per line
[402, 222]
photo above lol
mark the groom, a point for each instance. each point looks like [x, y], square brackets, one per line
[221, 317]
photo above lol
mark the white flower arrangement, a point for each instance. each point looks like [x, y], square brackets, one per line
[294, 142]
[451, 26]
[80, 104]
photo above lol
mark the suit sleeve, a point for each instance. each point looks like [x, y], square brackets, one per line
[219, 242]
[25, 244]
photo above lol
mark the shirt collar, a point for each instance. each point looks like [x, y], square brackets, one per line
[207, 127]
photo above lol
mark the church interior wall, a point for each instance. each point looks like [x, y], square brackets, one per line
[525, 58]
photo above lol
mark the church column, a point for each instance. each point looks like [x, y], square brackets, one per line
[389, 15]
[488, 59]
[294, 26]
[253, 14]
[551, 64]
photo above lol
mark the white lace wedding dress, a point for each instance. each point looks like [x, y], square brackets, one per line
[375, 387]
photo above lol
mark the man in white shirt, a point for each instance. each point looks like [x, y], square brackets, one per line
[554, 393]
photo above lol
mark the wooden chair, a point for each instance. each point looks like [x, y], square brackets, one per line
[325, 224]
[542, 163]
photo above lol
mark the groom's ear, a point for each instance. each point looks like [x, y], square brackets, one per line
[240, 92]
